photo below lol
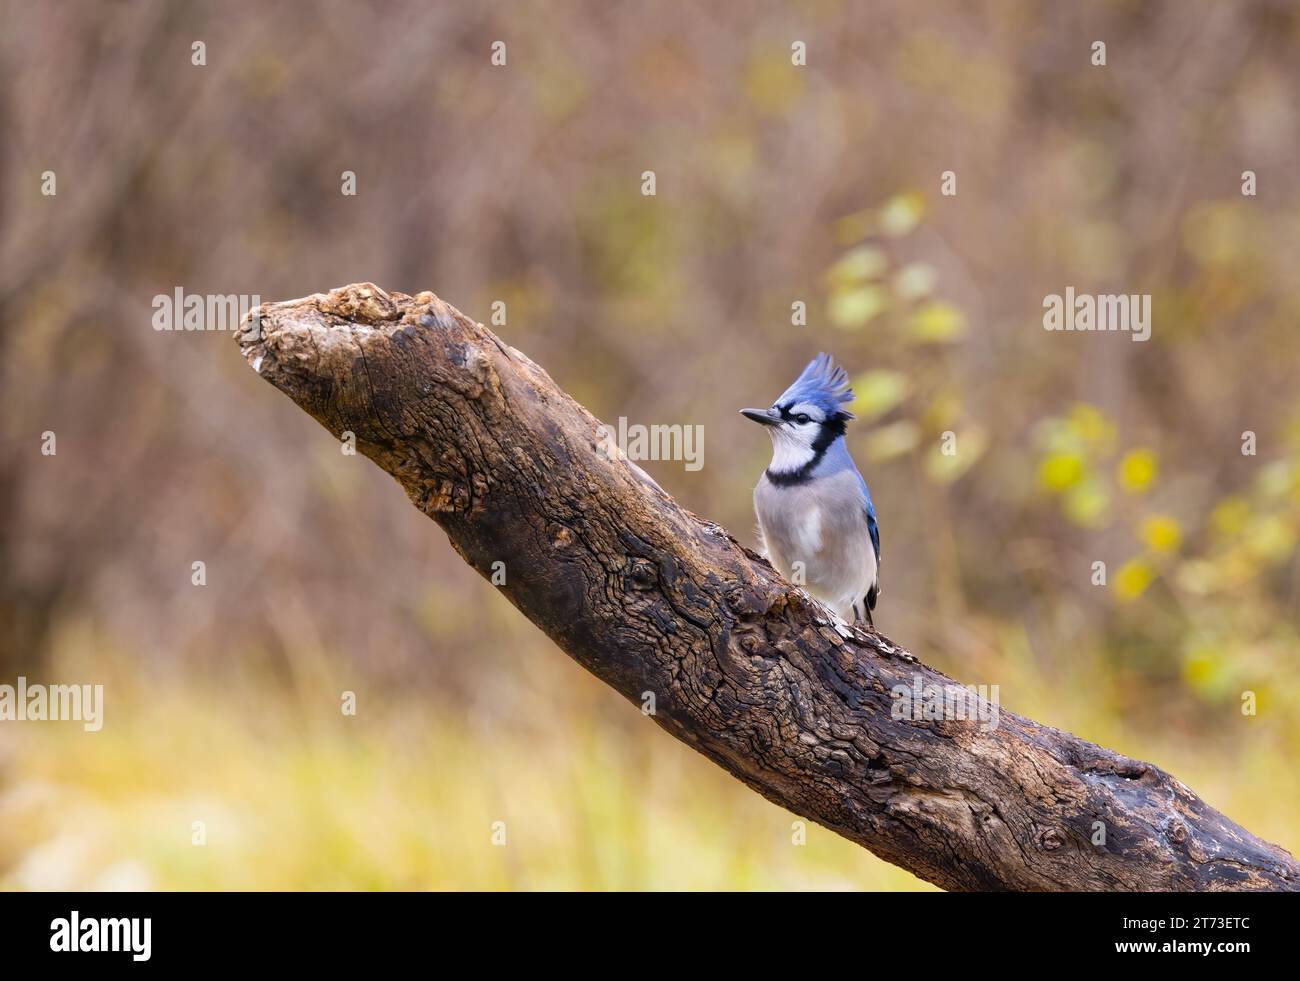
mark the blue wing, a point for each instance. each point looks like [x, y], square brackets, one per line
[874, 528]
[875, 531]
[872, 525]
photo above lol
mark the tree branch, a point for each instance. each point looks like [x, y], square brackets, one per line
[743, 667]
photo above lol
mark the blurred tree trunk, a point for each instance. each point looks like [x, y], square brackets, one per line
[674, 614]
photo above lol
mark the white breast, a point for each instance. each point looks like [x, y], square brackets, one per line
[821, 524]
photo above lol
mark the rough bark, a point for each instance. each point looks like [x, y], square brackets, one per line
[743, 667]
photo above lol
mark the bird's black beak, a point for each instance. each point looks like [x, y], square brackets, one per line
[768, 417]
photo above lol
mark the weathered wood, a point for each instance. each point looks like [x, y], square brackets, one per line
[743, 667]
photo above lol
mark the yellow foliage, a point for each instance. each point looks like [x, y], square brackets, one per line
[1090, 426]
[400, 798]
[1087, 503]
[1161, 533]
[1198, 666]
[902, 213]
[857, 266]
[1205, 668]
[1230, 515]
[1133, 579]
[1137, 470]
[876, 392]
[937, 322]
[1060, 471]
[1270, 538]
[852, 309]
[893, 440]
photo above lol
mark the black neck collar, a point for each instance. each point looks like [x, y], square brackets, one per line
[832, 429]
[788, 478]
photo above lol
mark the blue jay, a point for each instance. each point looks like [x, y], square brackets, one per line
[813, 506]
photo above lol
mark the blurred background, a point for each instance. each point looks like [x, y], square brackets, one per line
[775, 184]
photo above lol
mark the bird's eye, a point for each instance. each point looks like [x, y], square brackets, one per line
[801, 419]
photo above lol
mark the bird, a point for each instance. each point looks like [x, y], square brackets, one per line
[816, 521]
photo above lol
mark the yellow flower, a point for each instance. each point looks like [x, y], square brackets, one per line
[1137, 470]
[1161, 533]
[1206, 667]
[1060, 471]
[1132, 579]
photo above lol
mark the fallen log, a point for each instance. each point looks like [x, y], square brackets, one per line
[670, 610]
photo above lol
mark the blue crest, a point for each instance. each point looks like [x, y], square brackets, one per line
[823, 383]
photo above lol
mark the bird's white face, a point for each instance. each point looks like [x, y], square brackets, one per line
[800, 432]
[793, 436]
[800, 423]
